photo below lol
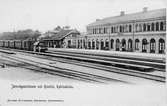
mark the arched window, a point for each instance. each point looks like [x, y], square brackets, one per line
[84, 44]
[152, 45]
[102, 44]
[93, 44]
[89, 44]
[97, 44]
[130, 28]
[144, 45]
[112, 43]
[106, 44]
[161, 45]
[137, 44]
[117, 45]
[152, 27]
[130, 45]
[81, 43]
[157, 26]
[123, 44]
[144, 27]
[78, 44]
[161, 26]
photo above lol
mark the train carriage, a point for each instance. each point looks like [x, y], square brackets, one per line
[28, 45]
[18, 44]
[6, 43]
[2, 43]
[31, 45]
[12, 44]
[23, 44]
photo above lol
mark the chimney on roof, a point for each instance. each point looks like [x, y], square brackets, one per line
[122, 13]
[145, 9]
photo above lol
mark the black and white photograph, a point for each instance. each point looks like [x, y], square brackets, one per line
[83, 53]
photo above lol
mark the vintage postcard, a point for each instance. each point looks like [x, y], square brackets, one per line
[83, 53]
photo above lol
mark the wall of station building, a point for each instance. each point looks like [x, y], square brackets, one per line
[129, 27]
[147, 36]
[153, 43]
[148, 43]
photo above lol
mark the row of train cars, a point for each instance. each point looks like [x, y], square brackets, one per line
[23, 45]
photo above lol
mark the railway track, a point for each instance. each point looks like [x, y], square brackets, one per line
[63, 72]
[145, 75]
[160, 59]
[158, 65]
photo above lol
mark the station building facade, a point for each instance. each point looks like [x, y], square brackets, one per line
[144, 31]
[56, 39]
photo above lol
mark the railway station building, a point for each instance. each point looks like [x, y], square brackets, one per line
[143, 31]
[56, 39]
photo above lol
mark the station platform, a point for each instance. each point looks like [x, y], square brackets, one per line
[114, 53]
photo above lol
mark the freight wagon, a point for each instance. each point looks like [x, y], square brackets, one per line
[24, 45]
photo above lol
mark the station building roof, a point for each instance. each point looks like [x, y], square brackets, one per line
[130, 17]
[60, 35]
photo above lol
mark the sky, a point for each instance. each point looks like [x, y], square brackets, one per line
[44, 15]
